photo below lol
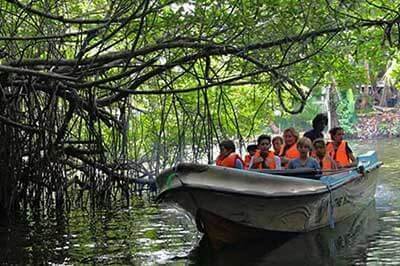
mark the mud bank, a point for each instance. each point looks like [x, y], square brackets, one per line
[377, 125]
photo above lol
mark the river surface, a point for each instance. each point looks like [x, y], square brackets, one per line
[149, 234]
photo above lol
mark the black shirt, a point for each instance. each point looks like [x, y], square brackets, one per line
[313, 135]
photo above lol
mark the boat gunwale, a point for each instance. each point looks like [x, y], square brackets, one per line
[243, 193]
[327, 189]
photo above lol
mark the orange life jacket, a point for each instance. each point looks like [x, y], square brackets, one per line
[291, 153]
[228, 161]
[326, 163]
[340, 155]
[269, 160]
[247, 160]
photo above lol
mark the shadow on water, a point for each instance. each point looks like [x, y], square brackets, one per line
[149, 234]
[141, 234]
[16, 237]
[320, 247]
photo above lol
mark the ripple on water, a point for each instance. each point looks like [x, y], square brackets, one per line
[149, 234]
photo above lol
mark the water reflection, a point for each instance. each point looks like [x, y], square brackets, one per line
[320, 247]
[148, 234]
[142, 234]
[46, 231]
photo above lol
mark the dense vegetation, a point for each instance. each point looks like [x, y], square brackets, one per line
[108, 92]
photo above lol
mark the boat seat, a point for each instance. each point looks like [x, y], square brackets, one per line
[301, 173]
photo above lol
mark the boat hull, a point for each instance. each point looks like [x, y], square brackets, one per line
[221, 231]
[234, 215]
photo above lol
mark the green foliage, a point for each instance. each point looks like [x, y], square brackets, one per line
[346, 111]
[242, 60]
[395, 74]
[187, 122]
[302, 121]
[383, 128]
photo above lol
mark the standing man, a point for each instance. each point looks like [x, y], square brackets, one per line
[319, 122]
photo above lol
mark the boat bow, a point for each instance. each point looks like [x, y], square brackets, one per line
[230, 180]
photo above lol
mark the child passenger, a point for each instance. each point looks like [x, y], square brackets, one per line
[227, 156]
[304, 147]
[325, 161]
[264, 158]
[251, 150]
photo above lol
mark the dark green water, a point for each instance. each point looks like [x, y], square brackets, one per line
[147, 234]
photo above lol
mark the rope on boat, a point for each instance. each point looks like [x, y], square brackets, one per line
[331, 218]
[361, 170]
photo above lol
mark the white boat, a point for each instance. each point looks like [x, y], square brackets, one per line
[230, 205]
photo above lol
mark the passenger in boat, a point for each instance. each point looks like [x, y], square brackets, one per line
[277, 144]
[227, 156]
[251, 150]
[319, 122]
[304, 147]
[325, 161]
[264, 158]
[339, 149]
[289, 150]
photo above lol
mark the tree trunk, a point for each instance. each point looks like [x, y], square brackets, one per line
[364, 98]
[333, 100]
[384, 96]
[365, 91]
[6, 175]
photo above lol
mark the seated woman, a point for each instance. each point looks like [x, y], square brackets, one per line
[251, 150]
[325, 161]
[227, 156]
[264, 158]
[304, 147]
[277, 144]
[339, 149]
[289, 150]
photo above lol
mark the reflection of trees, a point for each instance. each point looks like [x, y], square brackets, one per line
[34, 238]
[340, 246]
[75, 78]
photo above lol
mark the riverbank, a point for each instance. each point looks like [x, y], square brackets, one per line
[378, 124]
